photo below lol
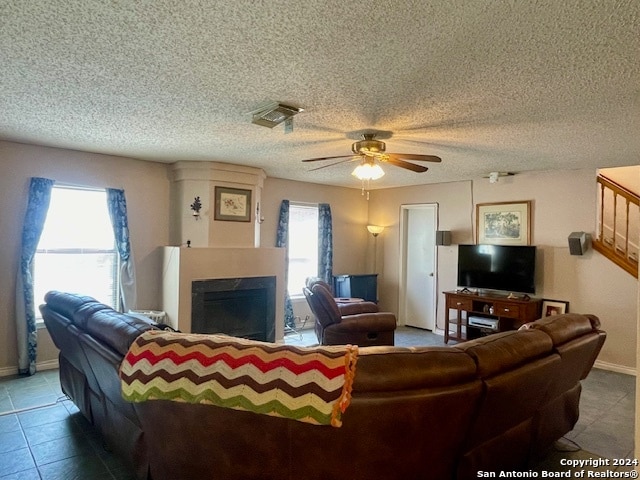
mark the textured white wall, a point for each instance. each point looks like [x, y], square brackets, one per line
[147, 190]
[562, 202]
[349, 210]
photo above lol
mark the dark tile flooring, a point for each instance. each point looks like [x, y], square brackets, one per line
[43, 436]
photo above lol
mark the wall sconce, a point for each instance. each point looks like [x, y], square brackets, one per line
[375, 230]
[195, 208]
[259, 219]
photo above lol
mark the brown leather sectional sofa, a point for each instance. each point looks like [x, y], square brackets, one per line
[494, 403]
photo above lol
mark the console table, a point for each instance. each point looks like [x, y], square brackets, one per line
[509, 313]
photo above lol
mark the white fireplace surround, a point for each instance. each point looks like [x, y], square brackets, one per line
[182, 265]
[218, 249]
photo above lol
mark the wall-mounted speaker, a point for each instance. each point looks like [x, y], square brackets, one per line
[443, 237]
[579, 243]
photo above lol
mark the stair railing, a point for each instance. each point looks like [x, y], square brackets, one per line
[618, 233]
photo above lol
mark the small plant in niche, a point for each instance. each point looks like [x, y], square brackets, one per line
[195, 207]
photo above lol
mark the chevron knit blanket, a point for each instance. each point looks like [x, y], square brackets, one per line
[308, 384]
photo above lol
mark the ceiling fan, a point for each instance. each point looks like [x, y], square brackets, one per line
[368, 151]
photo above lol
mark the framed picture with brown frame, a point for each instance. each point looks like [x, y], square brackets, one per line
[554, 307]
[232, 204]
[504, 223]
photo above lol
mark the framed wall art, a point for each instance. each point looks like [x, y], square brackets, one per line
[232, 204]
[554, 307]
[507, 223]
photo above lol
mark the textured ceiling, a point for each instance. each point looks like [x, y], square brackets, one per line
[508, 85]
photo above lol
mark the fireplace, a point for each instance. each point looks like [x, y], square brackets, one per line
[240, 307]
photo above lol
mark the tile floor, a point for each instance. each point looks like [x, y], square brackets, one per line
[43, 436]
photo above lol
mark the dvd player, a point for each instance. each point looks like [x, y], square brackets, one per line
[482, 322]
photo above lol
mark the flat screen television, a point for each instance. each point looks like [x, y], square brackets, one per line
[497, 267]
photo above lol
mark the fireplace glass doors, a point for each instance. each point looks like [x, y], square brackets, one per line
[240, 307]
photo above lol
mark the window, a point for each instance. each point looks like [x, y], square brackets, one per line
[76, 252]
[303, 246]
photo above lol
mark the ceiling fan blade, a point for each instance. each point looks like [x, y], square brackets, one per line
[327, 158]
[402, 164]
[349, 159]
[413, 156]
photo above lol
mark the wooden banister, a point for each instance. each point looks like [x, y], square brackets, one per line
[616, 248]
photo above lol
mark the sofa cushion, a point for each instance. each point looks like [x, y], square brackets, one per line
[326, 302]
[67, 304]
[84, 312]
[394, 369]
[357, 307]
[117, 330]
[505, 351]
[367, 322]
[565, 327]
[311, 281]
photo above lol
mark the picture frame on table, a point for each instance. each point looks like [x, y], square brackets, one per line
[232, 204]
[503, 223]
[554, 307]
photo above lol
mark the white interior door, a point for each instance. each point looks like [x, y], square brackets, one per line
[418, 277]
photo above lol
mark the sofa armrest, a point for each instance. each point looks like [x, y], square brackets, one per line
[356, 308]
[371, 322]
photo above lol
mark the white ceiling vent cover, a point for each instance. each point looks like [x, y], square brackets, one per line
[274, 114]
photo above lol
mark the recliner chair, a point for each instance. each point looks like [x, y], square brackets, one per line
[333, 327]
[349, 308]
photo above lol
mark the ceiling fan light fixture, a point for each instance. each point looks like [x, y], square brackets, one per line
[368, 145]
[368, 171]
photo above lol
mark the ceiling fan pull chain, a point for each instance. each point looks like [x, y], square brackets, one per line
[365, 191]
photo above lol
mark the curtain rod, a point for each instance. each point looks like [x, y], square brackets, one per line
[78, 187]
[295, 202]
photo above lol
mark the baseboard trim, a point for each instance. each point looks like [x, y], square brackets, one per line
[612, 367]
[8, 371]
[40, 366]
[48, 365]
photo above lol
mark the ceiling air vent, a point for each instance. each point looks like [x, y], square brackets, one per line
[274, 114]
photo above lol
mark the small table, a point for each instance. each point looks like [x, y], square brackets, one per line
[348, 300]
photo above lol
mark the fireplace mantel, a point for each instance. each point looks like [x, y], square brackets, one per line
[181, 266]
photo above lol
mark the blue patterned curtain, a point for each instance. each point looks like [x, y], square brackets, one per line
[37, 207]
[325, 243]
[118, 212]
[282, 241]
